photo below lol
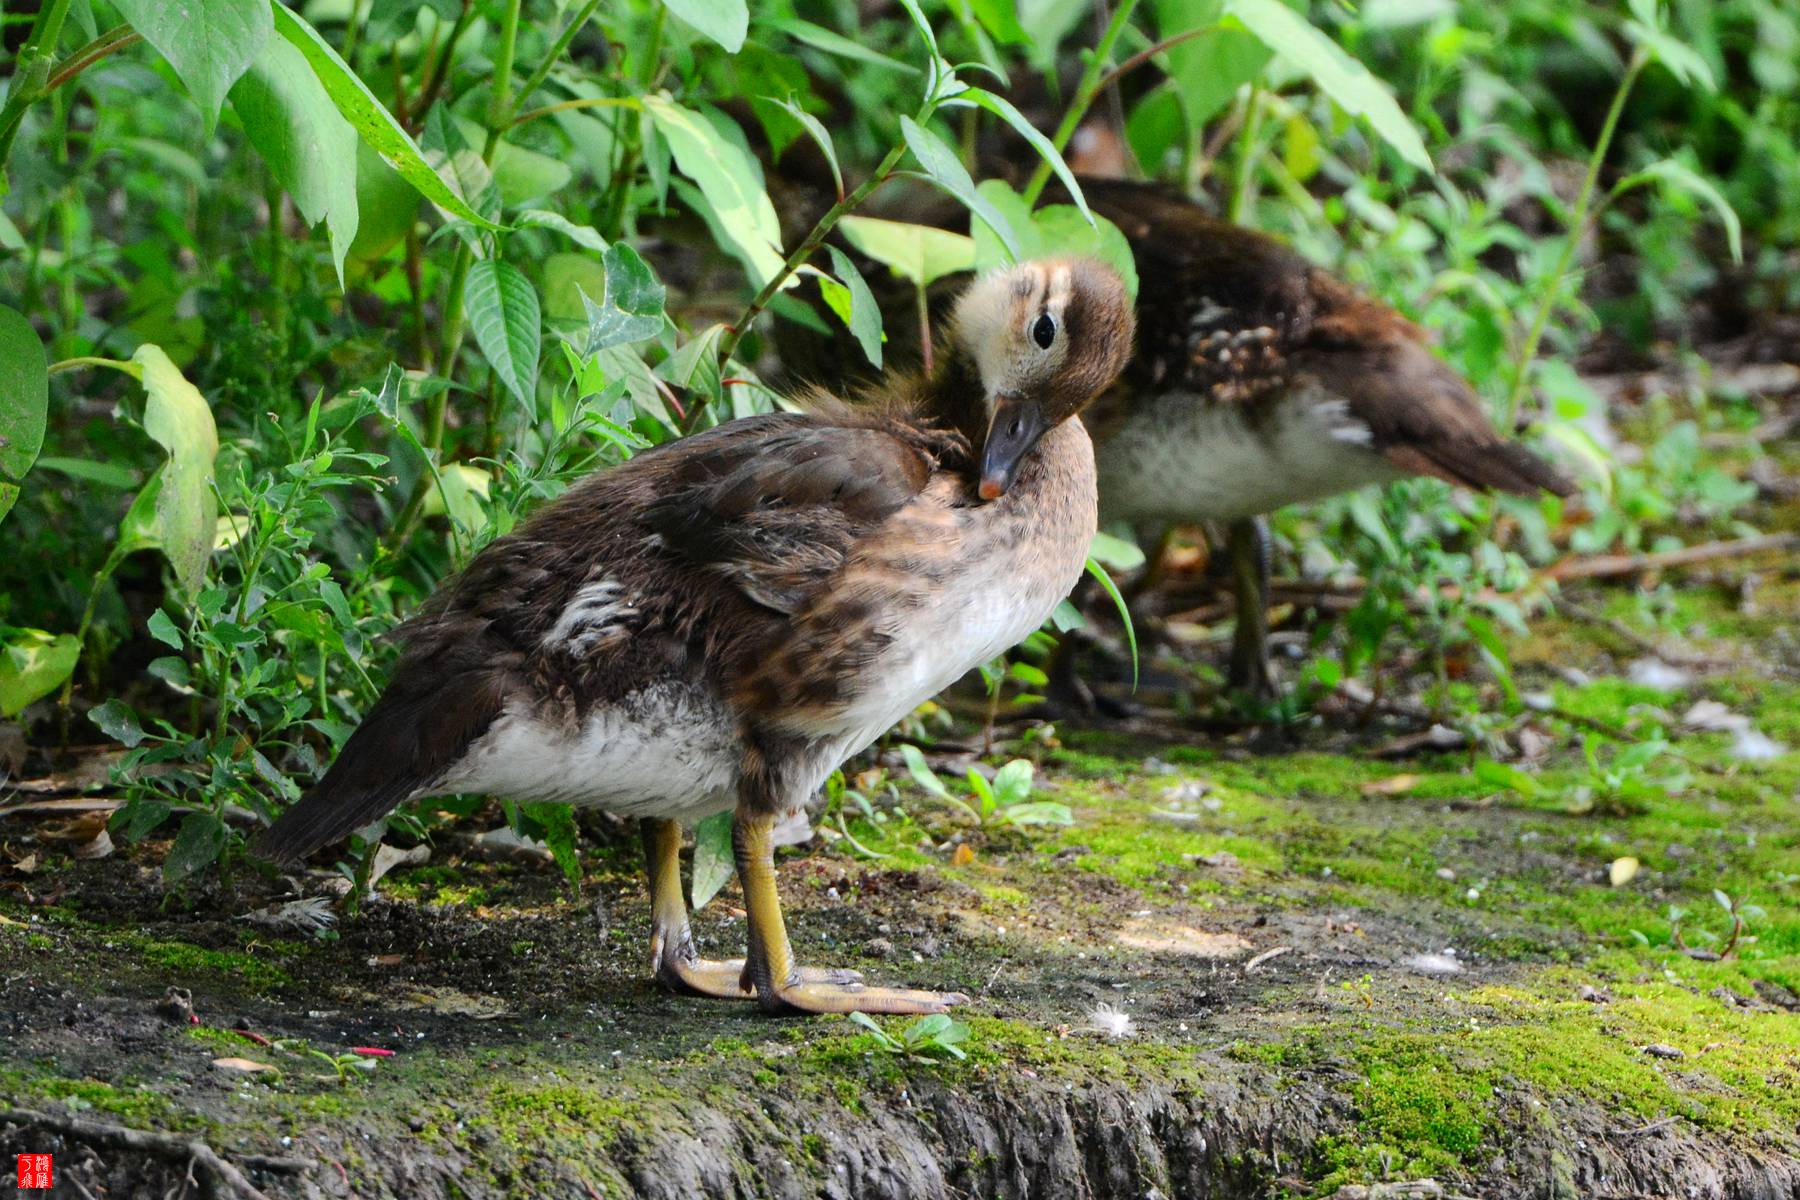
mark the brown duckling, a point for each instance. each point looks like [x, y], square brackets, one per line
[721, 621]
[1261, 381]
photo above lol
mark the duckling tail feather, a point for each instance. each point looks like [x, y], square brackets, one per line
[404, 745]
[1498, 465]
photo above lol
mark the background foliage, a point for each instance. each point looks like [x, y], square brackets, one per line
[300, 306]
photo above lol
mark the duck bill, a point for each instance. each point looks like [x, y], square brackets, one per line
[1015, 429]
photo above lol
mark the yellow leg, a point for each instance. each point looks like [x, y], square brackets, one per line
[779, 984]
[673, 959]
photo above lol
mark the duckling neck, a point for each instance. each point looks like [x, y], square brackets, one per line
[954, 398]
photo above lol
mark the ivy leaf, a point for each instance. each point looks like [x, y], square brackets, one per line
[504, 315]
[33, 664]
[178, 419]
[370, 117]
[712, 858]
[631, 309]
[210, 43]
[24, 401]
[864, 317]
[946, 170]
[724, 21]
[310, 148]
[1347, 82]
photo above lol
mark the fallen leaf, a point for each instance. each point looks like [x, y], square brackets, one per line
[1623, 870]
[1393, 785]
[1433, 964]
[962, 856]
[248, 1066]
[1165, 937]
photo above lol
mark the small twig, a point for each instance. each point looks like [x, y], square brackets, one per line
[1611, 566]
[1251, 966]
[163, 1145]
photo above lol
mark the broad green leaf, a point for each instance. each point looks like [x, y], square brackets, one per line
[1675, 174]
[116, 720]
[630, 309]
[1058, 229]
[712, 858]
[1115, 554]
[695, 365]
[1207, 70]
[1046, 149]
[724, 21]
[1039, 812]
[921, 771]
[569, 279]
[557, 821]
[864, 318]
[503, 313]
[178, 419]
[163, 629]
[728, 178]
[1346, 81]
[831, 42]
[24, 401]
[1012, 783]
[371, 118]
[210, 43]
[520, 173]
[1000, 19]
[582, 235]
[940, 162]
[916, 252]
[815, 129]
[386, 205]
[88, 470]
[461, 495]
[309, 147]
[32, 665]
[461, 166]
[198, 844]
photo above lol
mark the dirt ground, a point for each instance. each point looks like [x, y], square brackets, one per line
[1266, 963]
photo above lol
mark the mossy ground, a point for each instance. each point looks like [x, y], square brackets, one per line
[531, 1053]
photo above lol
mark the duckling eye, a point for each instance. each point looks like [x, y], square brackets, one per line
[1043, 331]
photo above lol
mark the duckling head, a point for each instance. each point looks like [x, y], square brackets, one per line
[1046, 337]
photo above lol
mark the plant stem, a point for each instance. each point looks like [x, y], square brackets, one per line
[118, 38]
[1093, 79]
[1577, 224]
[353, 30]
[535, 80]
[728, 344]
[440, 68]
[569, 105]
[31, 70]
[1246, 168]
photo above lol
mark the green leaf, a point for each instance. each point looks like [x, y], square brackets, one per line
[210, 43]
[1057, 229]
[32, 665]
[1678, 176]
[1000, 19]
[568, 280]
[386, 205]
[585, 236]
[310, 148]
[24, 401]
[921, 771]
[1207, 71]
[1347, 82]
[631, 309]
[1124, 610]
[163, 629]
[864, 319]
[557, 823]
[198, 844]
[503, 313]
[105, 474]
[1504, 775]
[712, 858]
[946, 170]
[1039, 812]
[1012, 783]
[831, 42]
[920, 253]
[117, 721]
[724, 21]
[519, 173]
[729, 180]
[815, 129]
[178, 419]
[1046, 149]
[924, 26]
[371, 118]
